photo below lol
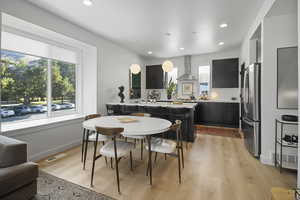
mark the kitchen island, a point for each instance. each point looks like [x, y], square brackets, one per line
[165, 110]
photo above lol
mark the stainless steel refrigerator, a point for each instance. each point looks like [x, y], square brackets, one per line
[250, 105]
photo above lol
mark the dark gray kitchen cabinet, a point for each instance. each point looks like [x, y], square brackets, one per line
[225, 73]
[217, 114]
[154, 77]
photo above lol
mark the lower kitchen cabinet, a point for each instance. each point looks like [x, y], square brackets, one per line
[217, 114]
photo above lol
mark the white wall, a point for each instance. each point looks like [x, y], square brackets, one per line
[50, 139]
[245, 48]
[278, 31]
[198, 60]
[298, 17]
[113, 63]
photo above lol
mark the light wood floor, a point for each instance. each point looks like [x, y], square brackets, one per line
[217, 168]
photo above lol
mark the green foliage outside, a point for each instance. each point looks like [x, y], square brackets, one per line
[26, 83]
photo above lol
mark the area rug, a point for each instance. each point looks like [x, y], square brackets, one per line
[53, 188]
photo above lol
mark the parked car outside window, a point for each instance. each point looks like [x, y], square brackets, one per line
[6, 113]
[38, 109]
[22, 110]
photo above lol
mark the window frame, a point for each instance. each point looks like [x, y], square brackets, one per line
[209, 77]
[169, 76]
[78, 69]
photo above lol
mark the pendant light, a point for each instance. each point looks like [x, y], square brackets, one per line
[167, 66]
[135, 68]
[87, 2]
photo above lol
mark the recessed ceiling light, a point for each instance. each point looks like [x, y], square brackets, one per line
[87, 2]
[149, 52]
[181, 48]
[221, 43]
[224, 25]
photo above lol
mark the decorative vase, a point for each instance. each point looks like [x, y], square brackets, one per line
[169, 96]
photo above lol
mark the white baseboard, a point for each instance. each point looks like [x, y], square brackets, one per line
[266, 160]
[58, 149]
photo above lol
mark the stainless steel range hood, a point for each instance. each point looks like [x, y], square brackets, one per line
[187, 76]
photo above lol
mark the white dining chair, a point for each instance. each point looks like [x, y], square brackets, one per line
[169, 147]
[113, 149]
[90, 136]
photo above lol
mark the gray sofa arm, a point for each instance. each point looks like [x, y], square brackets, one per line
[12, 178]
[12, 152]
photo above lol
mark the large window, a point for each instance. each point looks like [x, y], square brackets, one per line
[204, 80]
[173, 75]
[38, 79]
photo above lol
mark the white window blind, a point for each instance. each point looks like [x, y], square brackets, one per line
[26, 45]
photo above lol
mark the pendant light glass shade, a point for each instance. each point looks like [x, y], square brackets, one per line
[135, 68]
[167, 66]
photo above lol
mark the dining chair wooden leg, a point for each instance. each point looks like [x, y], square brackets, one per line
[131, 168]
[179, 167]
[147, 169]
[86, 147]
[165, 156]
[82, 145]
[149, 161]
[181, 147]
[142, 148]
[155, 157]
[111, 163]
[116, 165]
[182, 158]
[94, 159]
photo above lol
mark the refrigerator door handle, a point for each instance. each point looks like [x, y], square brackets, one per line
[248, 122]
[244, 93]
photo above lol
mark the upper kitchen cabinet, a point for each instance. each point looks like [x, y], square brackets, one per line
[154, 77]
[225, 73]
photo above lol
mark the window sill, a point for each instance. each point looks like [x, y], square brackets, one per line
[38, 123]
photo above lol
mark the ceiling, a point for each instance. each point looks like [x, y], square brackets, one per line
[283, 7]
[162, 26]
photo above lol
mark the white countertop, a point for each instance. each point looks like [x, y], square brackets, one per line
[210, 100]
[220, 100]
[162, 104]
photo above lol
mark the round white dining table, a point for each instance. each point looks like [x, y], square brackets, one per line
[142, 126]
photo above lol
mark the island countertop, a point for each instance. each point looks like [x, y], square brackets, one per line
[161, 104]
